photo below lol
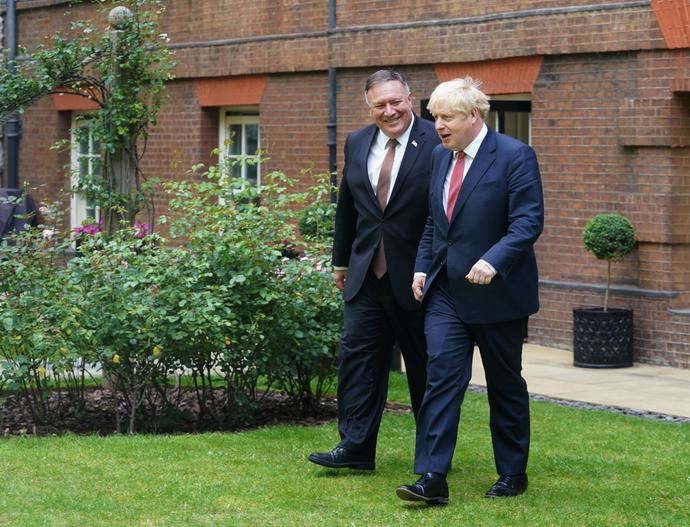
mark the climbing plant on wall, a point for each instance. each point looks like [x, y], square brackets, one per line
[123, 69]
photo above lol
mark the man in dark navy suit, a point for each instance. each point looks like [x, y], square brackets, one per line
[477, 275]
[382, 208]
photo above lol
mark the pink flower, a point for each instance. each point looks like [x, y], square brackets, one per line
[48, 234]
[141, 229]
[88, 228]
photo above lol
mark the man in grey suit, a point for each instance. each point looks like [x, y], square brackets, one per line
[382, 207]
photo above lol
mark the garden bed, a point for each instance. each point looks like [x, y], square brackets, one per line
[96, 415]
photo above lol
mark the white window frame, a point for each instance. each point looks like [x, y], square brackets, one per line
[239, 116]
[78, 204]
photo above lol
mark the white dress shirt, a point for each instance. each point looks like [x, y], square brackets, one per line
[378, 152]
[470, 153]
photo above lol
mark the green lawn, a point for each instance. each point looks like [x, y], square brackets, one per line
[587, 468]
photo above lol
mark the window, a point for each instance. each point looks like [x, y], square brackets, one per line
[86, 166]
[508, 114]
[240, 143]
[511, 115]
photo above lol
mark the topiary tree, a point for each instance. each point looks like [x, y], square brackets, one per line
[609, 237]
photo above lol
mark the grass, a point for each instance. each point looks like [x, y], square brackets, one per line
[587, 468]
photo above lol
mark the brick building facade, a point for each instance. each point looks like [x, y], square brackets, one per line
[608, 84]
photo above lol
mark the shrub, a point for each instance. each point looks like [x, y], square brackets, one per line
[149, 314]
[285, 315]
[41, 335]
[317, 221]
[303, 343]
[222, 307]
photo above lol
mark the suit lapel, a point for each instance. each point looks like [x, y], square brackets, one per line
[442, 172]
[414, 146]
[362, 160]
[485, 158]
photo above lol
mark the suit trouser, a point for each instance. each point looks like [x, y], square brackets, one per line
[450, 345]
[373, 322]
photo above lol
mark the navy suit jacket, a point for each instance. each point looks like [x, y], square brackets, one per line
[360, 224]
[498, 216]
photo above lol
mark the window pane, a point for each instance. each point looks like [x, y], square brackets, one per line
[252, 131]
[235, 170]
[234, 139]
[241, 137]
[83, 138]
[83, 166]
[517, 125]
[251, 172]
[492, 121]
[96, 167]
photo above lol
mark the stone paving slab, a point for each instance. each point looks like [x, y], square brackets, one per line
[643, 388]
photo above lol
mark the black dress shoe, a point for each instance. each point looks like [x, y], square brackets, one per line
[340, 457]
[431, 488]
[508, 486]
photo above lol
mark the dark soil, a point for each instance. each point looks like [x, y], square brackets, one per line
[97, 415]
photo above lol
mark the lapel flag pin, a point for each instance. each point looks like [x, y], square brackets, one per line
[414, 143]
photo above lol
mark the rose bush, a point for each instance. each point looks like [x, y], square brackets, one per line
[219, 306]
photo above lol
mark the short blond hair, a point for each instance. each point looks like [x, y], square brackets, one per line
[459, 95]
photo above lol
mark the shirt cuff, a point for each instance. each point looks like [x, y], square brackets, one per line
[419, 275]
[338, 268]
[493, 269]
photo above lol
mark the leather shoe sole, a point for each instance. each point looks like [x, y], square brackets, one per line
[325, 460]
[408, 494]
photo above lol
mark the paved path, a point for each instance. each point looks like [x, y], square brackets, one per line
[642, 387]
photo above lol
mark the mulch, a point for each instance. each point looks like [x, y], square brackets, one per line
[97, 415]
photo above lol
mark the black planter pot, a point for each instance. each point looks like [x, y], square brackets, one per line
[602, 339]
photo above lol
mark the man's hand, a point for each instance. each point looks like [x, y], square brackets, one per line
[417, 287]
[339, 279]
[480, 274]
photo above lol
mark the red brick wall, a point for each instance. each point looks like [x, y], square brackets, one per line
[476, 32]
[461, 38]
[584, 170]
[610, 120]
[39, 165]
[194, 20]
[362, 12]
[293, 123]
[607, 134]
[660, 337]
[185, 135]
[37, 22]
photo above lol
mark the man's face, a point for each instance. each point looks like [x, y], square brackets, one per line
[390, 107]
[456, 129]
